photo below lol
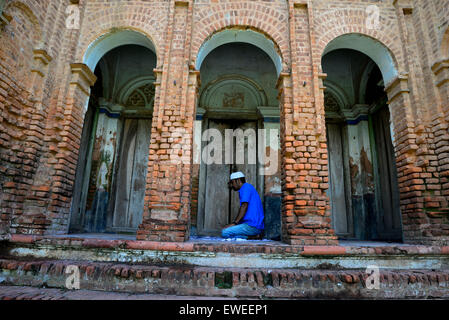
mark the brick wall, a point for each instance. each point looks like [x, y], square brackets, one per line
[24, 97]
[43, 98]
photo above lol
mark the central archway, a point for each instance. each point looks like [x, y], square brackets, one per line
[238, 97]
[235, 35]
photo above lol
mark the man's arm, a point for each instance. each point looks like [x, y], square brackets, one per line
[242, 212]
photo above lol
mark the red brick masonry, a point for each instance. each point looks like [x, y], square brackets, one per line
[45, 85]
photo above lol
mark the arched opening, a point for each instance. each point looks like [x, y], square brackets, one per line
[112, 168]
[235, 35]
[114, 39]
[238, 100]
[362, 165]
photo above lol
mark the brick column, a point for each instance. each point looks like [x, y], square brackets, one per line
[418, 137]
[167, 202]
[21, 192]
[47, 202]
[418, 182]
[33, 215]
[306, 216]
[441, 71]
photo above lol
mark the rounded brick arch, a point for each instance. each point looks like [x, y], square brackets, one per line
[23, 35]
[97, 25]
[26, 10]
[112, 39]
[268, 21]
[373, 48]
[350, 22]
[230, 35]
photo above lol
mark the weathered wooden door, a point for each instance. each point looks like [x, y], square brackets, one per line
[389, 216]
[341, 216]
[215, 211]
[81, 187]
[131, 175]
[220, 204]
[249, 165]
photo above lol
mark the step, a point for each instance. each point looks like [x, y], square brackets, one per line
[268, 255]
[188, 280]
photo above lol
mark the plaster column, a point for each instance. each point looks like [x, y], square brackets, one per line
[197, 167]
[270, 168]
[361, 172]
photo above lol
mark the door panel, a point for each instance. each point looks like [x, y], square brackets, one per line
[248, 169]
[131, 176]
[139, 176]
[221, 205]
[83, 171]
[337, 180]
[216, 206]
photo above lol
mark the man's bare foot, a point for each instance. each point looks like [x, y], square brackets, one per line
[258, 237]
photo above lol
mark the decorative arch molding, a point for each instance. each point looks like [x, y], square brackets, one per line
[113, 39]
[331, 106]
[373, 48]
[233, 35]
[338, 94]
[250, 88]
[142, 97]
[141, 86]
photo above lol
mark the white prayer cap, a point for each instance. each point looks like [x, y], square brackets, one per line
[237, 175]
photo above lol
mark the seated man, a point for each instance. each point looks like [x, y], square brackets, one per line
[250, 219]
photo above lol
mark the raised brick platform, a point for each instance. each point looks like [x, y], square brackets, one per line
[227, 269]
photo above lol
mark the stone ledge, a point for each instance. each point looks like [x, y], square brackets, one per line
[232, 247]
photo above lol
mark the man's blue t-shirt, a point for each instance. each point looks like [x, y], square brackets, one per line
[254, 215]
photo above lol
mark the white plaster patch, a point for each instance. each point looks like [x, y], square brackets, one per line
[164, 215]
